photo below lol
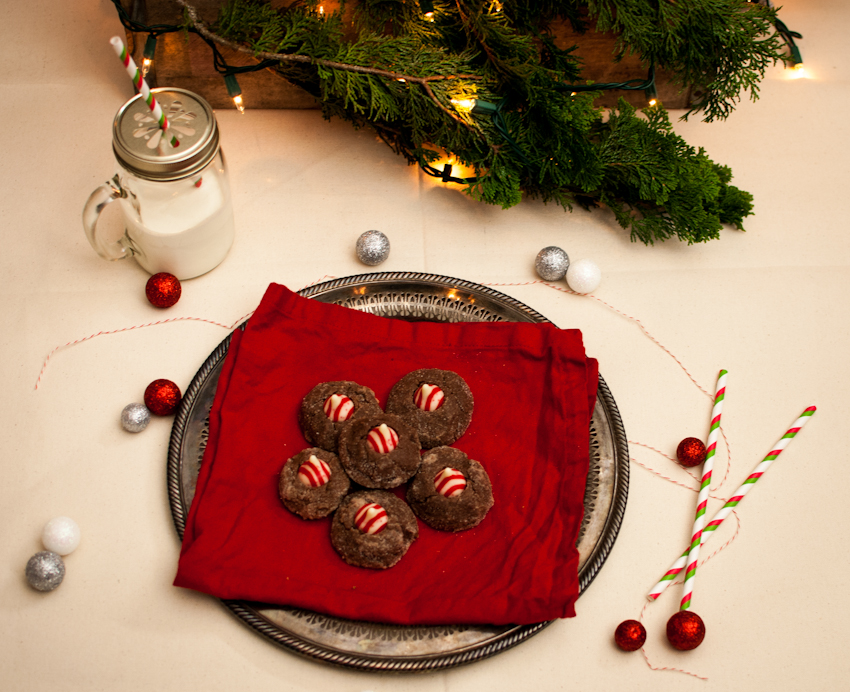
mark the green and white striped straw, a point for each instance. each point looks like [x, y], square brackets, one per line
[726, 510]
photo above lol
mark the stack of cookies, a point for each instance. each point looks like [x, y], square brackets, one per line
[362, 451]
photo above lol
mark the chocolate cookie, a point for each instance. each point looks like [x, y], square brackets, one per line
[313, 483]
[379, 450]
[450, 492]
[329, 406]
[438, 402]
[373, 528]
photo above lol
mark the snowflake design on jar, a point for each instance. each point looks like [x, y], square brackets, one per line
[178, 120]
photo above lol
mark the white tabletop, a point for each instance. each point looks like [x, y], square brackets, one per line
[772, 306]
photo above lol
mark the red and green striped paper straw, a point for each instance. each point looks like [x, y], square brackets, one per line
[702, 498]
[142, 87]
[739, 495]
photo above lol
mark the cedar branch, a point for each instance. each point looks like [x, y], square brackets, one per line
[205, 31]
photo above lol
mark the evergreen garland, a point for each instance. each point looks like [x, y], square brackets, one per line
[532, 133]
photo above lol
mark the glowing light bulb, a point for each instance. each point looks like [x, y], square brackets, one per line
[321, 11]
[799, 72]
[651, 94]
[148, 54]
[450, 167]
[463, 105]
[235, 92]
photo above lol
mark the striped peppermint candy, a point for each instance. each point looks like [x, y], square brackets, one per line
[450, 482]
[314, 472]
[338, 407]
[371, 518]
[429, 397]
[383, 439]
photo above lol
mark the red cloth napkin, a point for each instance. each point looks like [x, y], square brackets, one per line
[534, 392]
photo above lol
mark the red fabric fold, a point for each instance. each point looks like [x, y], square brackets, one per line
[534, 392]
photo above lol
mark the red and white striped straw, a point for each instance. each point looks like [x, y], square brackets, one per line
[702, 499]
[142, 87]
[726, 510]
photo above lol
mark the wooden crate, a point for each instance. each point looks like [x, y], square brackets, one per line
[187, 63]
[596, 50]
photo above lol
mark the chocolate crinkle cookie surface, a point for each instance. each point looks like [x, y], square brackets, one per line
[313, 483]
[373, 529]
[450, 492]
[379, 450]
[329, 406]
[438, 403]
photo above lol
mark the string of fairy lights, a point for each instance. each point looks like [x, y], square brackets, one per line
[133, 22]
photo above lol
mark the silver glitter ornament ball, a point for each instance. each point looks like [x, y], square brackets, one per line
[45, 571]
[552, 263]
[373, 247]
[135, 417]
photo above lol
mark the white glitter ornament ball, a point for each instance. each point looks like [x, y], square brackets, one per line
[584, 276]
[61, 535]
[552, 263]
[373, 247]
[135, 417]
[45, 571]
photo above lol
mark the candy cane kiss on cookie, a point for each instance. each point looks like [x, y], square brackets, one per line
[428, 397]
[338, 407]
[382, 439]
[314, 472]
[371, 518]
[450, 482]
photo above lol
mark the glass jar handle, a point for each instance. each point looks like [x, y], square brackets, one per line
[103, 195]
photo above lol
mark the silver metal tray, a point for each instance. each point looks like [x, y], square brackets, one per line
[373, 646]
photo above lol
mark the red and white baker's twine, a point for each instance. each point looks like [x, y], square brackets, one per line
[229, 327]
[138, 326]
[619, 312]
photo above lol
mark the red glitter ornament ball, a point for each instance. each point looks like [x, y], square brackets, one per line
[630, 635]
[690, 452]
[685, 630]
[163, 290]
[162, 397]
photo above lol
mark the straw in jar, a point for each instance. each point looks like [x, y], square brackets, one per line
[142, 87]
